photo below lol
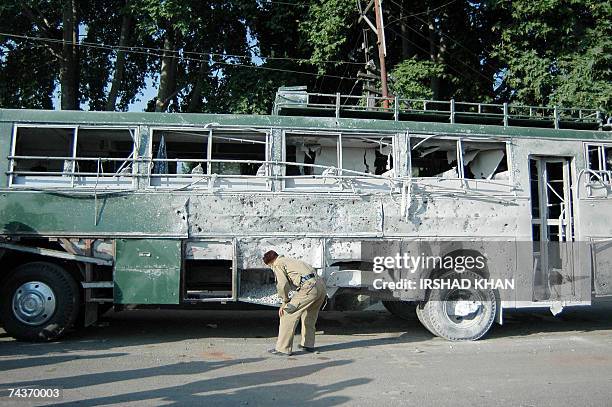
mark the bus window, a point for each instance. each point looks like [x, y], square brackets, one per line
[104, 152]
[239, 152]
[484, 160]
[370, 155]
[594, 158]
[434, 158]
[179, 153]
[43, 151]
[319, 153]
[599, 160]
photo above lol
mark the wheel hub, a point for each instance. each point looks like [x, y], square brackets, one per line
[33, 303]
[463, 308]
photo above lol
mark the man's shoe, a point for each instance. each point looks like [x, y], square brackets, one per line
[307, 349]
[277, 353]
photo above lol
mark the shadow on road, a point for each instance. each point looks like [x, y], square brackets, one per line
[143, 328]
[257, 387]
[23, 363]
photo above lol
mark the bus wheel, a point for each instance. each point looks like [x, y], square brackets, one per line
[461, 314]
[424, 318]
[401, 309]
[39, 302]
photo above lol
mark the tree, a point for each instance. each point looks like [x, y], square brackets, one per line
[557, 52]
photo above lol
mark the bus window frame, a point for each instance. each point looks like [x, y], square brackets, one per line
[209, 179]
[134, 131]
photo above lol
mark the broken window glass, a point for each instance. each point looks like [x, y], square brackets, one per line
[593, 157]
[434, 158]
[231, 146]
[370, 155]
[320, 150]
[599, 160]
[43, 151]
[181, 153]
[115, 148]
[485, 160]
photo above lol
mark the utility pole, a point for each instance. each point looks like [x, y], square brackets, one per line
[382, 51]
[379, 30]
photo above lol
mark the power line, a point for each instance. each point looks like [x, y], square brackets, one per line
[152, 52]
[440, 32]
[424, 50]
[421, 13]
[286, 3]
[211, 54]
[456, 59]
[458, 43]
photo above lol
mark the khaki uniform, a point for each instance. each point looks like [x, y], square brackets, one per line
[306, 302]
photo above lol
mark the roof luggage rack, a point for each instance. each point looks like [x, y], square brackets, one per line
[296, 101]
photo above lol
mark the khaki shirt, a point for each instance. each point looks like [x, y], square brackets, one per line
[288, 272]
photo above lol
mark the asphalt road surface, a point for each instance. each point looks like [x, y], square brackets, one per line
[218, 358]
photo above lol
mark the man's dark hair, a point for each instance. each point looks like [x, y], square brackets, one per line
[269, 256]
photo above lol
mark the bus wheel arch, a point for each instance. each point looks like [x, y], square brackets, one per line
[39, 301]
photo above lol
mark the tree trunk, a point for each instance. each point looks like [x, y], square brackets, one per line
[433, 55]
[406, 48]
[196, 95]
[69, 71]
[126, 27]
[167, 77]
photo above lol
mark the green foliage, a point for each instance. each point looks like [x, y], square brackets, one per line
[326, 27]
[558, 52]
[411, 78]
[539, 52]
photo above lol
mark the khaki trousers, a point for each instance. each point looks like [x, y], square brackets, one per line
[308, 301]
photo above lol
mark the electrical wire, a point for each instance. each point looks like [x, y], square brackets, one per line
[440, 32]
[450, 66]
[151, 52]
[421, 13]
[209, 54]
[458, 72]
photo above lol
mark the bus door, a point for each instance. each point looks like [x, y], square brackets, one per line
[552, 228]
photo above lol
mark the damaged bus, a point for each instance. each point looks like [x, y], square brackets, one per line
[103, 209]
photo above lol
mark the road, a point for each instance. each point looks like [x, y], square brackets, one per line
[218, 358]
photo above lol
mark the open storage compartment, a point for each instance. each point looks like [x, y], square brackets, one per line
[208, 271]
[258, 286]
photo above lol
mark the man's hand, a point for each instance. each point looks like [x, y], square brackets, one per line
[281, 311]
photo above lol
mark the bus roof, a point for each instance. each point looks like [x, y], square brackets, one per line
[288, 119]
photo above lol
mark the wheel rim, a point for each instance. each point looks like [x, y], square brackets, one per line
[463, 308]
[33, 303]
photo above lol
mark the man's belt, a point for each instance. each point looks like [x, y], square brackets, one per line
[303, 279]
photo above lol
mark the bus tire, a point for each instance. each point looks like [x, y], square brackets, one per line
[401, 309]
[461, 314]
[424, 318]
[39, 302]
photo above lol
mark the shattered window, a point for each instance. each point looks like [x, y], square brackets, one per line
[115, 148]
[43, 151]
[77, 156]
[485, 160]
[594, 158]
[312, 154]
[367, 154]
[239, 152]
[434, 158]
[179, 153]
[599, 160]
